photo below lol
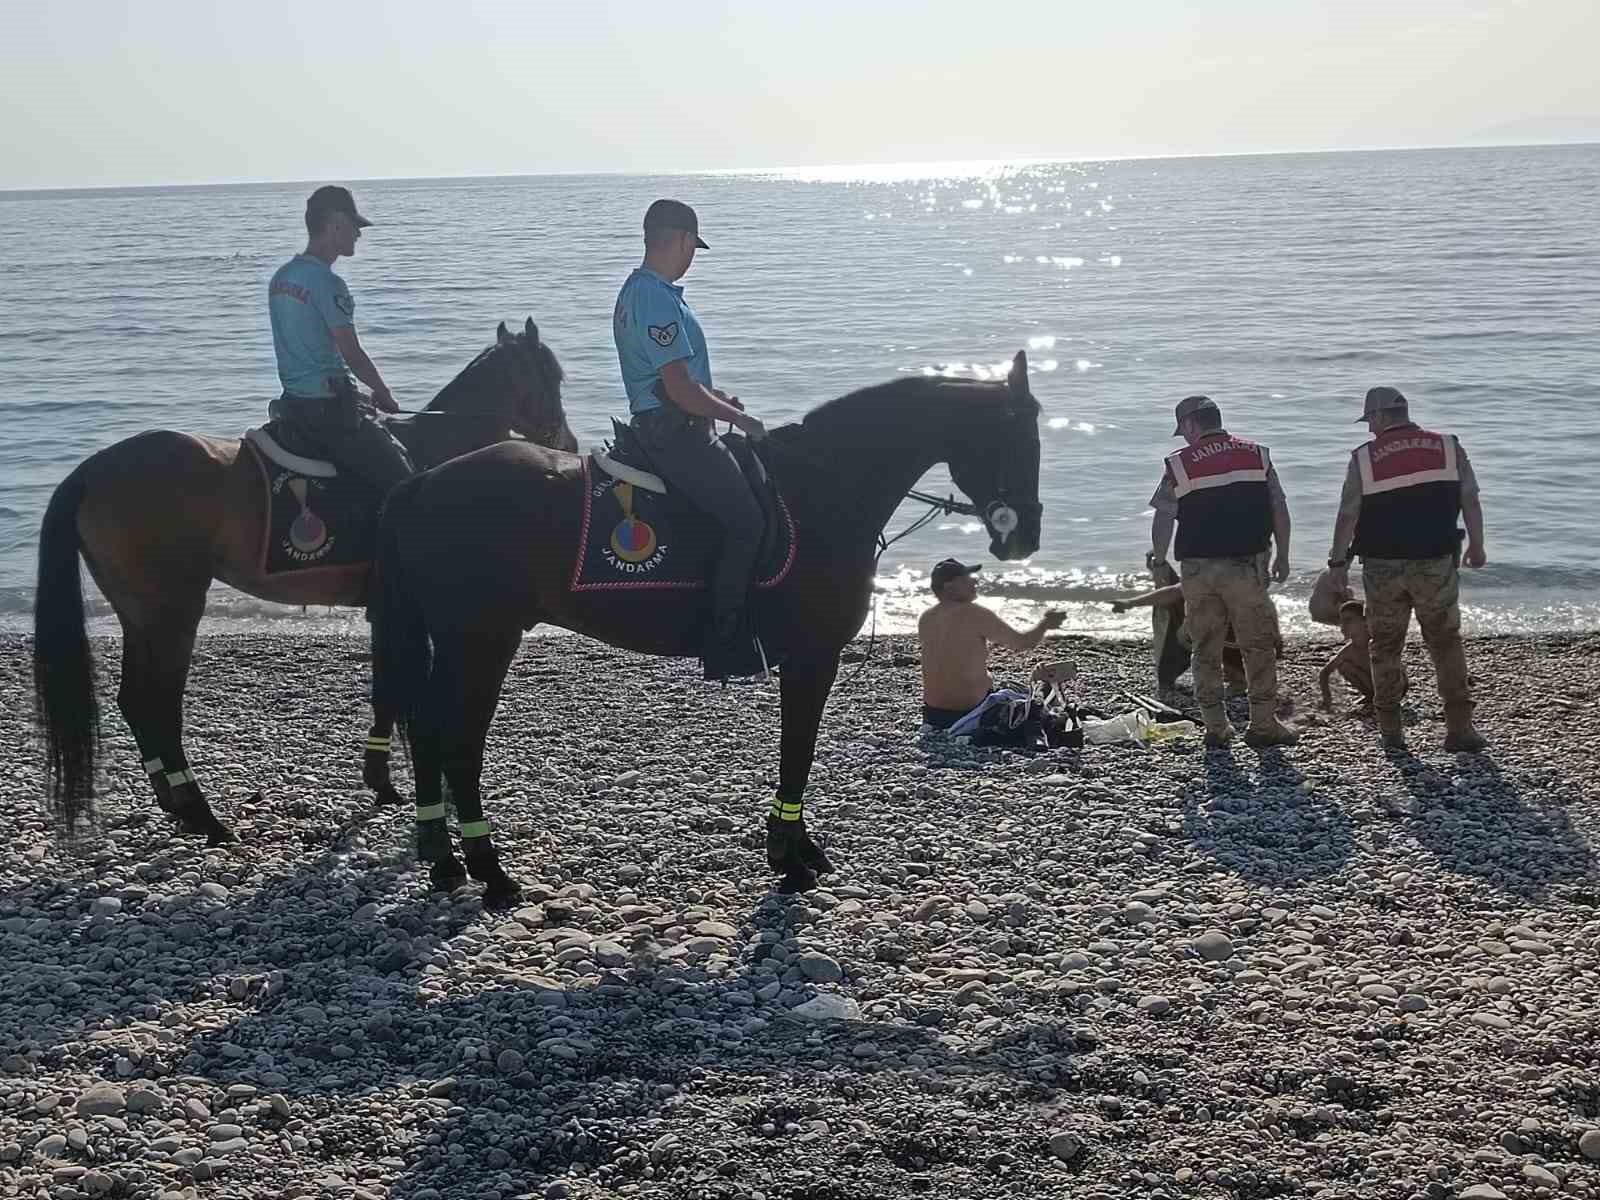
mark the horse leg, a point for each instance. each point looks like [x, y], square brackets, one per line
[446, 873]
[375, 762]
[155, 670]
[476, 667]
[803, 690]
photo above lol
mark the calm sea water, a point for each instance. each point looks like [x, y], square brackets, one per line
[1284, 286]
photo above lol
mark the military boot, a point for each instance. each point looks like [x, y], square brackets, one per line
[1265, 728]
[1390, 730]
[1219, 731]
[1459, 734]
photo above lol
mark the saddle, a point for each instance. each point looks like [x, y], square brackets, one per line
[627, 450]
[639, 533]
[317, 519]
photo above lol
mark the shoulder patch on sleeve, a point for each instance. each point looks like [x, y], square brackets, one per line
[345, 303]
[664, 335]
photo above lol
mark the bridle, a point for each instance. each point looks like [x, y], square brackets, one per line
[997, 515]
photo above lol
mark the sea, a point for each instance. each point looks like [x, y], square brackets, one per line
[1281, 285]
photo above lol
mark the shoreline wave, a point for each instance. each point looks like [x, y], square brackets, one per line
[1534, 600]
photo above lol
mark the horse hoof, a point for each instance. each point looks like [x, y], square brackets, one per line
[221, 835]
[483, 864]
[387, 795]
[813, 856]
[501, 893]
[796, 880]
[790, 847]
[447, 875]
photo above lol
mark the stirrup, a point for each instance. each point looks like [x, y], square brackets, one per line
[732, 660]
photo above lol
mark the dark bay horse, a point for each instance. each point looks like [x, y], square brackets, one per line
[474, 553]
[160, 515]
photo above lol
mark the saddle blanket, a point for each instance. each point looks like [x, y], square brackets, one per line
[632, 538]
[316, 518]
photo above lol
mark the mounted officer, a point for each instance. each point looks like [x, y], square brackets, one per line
[666, 370]
[314, 338]
[1229, 507]
[1402, 493]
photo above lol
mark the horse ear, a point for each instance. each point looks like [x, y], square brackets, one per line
[1019, 373]
[532, 331]
[502, 335]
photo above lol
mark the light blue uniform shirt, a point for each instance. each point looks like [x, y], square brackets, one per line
[653, 325]
[307, 302]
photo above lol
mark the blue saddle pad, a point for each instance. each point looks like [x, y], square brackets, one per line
[314, 523]
[635, 539]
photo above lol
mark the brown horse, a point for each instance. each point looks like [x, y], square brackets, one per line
[475, 552]
[160, 515]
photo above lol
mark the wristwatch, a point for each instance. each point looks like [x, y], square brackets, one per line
[1338, 564]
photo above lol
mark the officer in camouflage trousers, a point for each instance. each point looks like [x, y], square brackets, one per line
[1224, 496]
[1402, 493]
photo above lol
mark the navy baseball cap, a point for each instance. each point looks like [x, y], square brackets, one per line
[945, 571]
[332, 198]
[673, 214]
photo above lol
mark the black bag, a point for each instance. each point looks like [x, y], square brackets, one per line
[1029, 725]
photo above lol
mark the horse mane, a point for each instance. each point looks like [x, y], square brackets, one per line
[485, 375]
[868, 412]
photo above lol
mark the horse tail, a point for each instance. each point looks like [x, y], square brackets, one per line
[65, 706]
[401, 650]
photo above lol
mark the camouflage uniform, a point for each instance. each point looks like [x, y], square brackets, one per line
[1394, 587]
[1224, 539]
[1403, 492]
[1220, 591]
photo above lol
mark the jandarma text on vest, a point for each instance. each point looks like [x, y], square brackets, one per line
[1210, 449]
[1382, 450]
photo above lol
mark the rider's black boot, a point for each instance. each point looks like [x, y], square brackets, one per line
[732, 650]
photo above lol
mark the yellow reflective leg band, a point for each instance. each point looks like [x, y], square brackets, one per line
[430, 812]
[179, 778]
[787, 810]
[474, 829]
[153, 766]
[380, 744]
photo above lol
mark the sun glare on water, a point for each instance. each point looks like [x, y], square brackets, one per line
[901, 172]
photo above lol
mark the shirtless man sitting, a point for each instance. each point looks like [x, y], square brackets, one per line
[956, 636]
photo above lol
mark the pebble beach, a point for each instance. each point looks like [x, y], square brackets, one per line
[1135, 970]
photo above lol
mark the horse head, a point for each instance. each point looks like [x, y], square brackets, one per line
[535, 379]
[996, 465]
[518, 378]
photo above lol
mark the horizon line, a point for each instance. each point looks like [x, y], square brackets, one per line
[981, 164]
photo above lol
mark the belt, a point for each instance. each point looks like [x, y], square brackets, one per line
[671, 414]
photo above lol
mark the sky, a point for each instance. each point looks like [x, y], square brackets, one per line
[107, 92]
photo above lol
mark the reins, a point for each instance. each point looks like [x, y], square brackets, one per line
[938, 506]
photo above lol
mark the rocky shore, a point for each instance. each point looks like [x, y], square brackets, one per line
[1324, 972]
